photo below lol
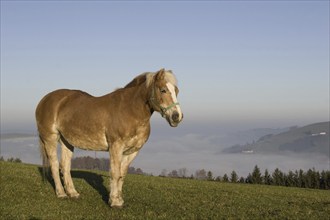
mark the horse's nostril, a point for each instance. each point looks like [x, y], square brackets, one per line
[175, 116]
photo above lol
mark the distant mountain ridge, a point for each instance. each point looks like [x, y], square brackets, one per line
[6, 136]
[313, 138]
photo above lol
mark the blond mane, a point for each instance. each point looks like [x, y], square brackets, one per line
[149, 78]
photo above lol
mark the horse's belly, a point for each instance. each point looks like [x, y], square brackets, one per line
[92, 145]
[88, 142]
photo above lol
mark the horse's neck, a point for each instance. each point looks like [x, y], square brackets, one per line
[143, 96]
[135, 101]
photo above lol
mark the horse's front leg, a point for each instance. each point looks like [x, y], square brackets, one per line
[126, 161]
[116, 155]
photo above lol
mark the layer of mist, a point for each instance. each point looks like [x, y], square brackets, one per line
[174, 150]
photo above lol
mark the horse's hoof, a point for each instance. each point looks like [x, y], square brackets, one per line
[74, 195]
[62, 196]
[117, 206]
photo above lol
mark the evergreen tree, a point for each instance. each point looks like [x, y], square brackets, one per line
[296, 178]
[249, 179]
[301, 179]
[233, 177]
[209, 176]
[278, 177]
[309, 179]
[317, 178]
[289, 179]
[256, 175]
[325, 180]
[225, 178]
[267, 178]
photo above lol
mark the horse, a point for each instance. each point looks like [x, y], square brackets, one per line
[118, 122]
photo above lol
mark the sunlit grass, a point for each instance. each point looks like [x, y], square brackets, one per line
[25, 196]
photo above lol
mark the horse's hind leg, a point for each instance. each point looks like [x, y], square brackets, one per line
[50, 147]
[67, 151]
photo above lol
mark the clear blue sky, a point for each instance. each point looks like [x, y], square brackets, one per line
[254, 62]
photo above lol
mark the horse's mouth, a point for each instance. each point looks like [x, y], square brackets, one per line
[174, 119]
[173, 123]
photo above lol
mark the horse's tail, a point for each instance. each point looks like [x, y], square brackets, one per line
[45, 162]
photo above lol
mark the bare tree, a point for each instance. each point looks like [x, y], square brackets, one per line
[200, 174]
[173, 173]
[163, 173]
[183, 172]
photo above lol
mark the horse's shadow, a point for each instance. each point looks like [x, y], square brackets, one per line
[93, 179]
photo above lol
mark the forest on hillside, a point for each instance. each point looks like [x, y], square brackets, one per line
[299, 178]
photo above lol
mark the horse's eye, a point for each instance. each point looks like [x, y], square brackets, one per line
[163, 90]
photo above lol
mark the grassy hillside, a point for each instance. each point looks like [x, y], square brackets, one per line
[25, 196]
[298, 140]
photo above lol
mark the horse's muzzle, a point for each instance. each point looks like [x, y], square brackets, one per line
[175, 119]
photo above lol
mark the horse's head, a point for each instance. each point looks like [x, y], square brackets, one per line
[163, 98]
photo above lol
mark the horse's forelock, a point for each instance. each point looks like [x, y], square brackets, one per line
[169, 77]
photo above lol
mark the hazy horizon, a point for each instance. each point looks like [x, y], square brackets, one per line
[192, 149]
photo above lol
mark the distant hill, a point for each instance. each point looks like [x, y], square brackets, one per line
[312, 138]
[6, 136]
[242, 137]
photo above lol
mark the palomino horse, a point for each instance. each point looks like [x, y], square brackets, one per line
[118, 122]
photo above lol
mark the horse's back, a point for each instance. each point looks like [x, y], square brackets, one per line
[48, 107]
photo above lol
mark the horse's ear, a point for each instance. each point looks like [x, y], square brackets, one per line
[160, 74]
[176, 90]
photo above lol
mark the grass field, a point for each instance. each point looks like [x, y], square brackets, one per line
[25, 196]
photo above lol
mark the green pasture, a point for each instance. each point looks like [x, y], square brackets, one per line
[24, 195]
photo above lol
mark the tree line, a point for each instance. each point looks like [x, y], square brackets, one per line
[11, 159]
[298, 178]
[103, 164]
